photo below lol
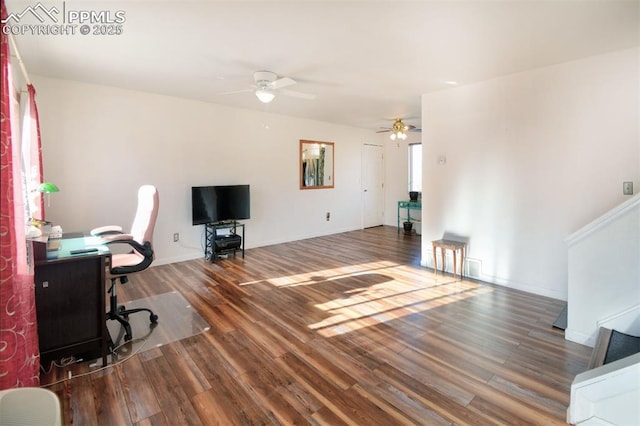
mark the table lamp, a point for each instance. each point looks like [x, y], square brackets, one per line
[48, 188]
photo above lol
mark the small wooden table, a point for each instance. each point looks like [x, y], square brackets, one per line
[448, 245]
[408, 205]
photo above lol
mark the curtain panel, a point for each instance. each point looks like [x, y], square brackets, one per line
[19, 354]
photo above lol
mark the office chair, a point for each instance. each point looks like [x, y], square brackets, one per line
[139, 258]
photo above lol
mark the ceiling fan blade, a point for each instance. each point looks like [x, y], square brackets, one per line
[233, 92]
[295, 94]
[384, 130]
[415, 130]
[282, 82]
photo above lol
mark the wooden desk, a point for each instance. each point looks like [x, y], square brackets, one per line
[70, 299]
[448, 245]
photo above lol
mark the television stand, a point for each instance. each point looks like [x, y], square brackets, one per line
[217, 244]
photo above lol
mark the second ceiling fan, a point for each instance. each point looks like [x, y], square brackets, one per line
[399, 130]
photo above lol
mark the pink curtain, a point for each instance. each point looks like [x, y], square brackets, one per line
[19, 354]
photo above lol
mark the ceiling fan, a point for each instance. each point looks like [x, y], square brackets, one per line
[399, 129]
[267, 84]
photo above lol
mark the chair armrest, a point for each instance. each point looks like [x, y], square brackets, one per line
[144, 249]
[106, 230]
[114, 238]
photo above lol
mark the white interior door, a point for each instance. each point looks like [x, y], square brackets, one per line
[373, 185]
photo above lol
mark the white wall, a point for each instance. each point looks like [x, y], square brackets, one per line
[531, 157]
[100, 143]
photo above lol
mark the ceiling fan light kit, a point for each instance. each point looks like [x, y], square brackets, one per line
[399, 130]
[400, 136]
[265, 95]
[268, 83]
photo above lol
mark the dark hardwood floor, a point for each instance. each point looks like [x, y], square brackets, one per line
[342, 329]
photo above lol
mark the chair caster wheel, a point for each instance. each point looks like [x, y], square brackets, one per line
[153, 318]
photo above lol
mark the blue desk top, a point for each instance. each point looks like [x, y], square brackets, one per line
[62, 248]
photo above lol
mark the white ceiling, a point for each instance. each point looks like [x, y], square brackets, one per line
[367, 62]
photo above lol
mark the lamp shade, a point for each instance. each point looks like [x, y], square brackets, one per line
[48, 187]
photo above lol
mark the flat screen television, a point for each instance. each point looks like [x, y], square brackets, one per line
[210, 204]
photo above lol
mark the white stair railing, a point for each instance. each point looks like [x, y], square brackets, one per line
[626, 321]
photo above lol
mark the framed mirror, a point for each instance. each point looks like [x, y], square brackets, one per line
[316, 164]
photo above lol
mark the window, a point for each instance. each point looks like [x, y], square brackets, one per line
[31, 158]
[415, 167]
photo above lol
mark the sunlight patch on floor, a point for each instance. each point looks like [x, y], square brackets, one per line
[372, 293]
[348, 315]
[312, 278]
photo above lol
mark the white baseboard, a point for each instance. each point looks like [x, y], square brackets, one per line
[540, 291]
[176, 259]
[200, 254]
[306, 236]
[472, 270]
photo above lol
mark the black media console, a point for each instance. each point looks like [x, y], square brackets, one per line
[219, 243]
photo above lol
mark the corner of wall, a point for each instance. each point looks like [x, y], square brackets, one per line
[578, 337]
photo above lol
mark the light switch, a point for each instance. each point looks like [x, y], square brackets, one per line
[627, 188]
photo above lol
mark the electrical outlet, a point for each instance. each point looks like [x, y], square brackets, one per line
[627, 188]
[176, 237]
[328, 216]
